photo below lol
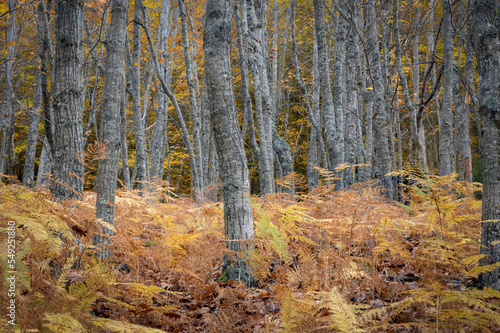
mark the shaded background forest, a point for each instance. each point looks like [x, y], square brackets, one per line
[413, 106]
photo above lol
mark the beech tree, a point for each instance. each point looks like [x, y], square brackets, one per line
[238, 223]
[107, 173]
[484, 27]
[67, 149]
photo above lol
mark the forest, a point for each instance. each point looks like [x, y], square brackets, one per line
[250, 166]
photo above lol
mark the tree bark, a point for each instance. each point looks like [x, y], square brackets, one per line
[68, 109]
[34, 119]
[7, 114]
[140, 140]
[338, 105]
[253, 29]
[324, 78]
[351, 113]
[463, 120]
[233, 165]
[195, 111]
[107, 173]
[417, 139]
[485, 38]
[44, 166]
[446, 155]
[381, 152]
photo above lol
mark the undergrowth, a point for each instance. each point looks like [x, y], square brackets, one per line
[343, 261]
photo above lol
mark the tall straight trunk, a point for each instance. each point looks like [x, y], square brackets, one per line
[254, 29]
[351, 114]
[485, 38]
[34, 119]
[313, 158]
[158, 137]
[68, 109]
[44, 166]
[381, 153]
[245, 87]
[238, 222]
[140, 140]
[463, 120]
[446, 155]
[324, 76]
[338, 91]
[281, 65]
[7, 113]
[417, 143]
[195, 111]
[107, 172]
[46, 55]
[123, 137]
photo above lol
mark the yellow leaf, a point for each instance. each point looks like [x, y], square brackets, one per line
[11, 44]
[136, 64]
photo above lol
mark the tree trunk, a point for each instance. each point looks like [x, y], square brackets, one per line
[7, 114]
[417, 143]
[107, 173]
[123, 137]
[34, 118]
[463, 120]
[195, 111]
[44, 166]
[233, 165]
[140, 141]
[338, 91]
[446, 155]
[381, 153]
[68, 109]
[485, 38]
[159, 137]
[254, 30]
[324, 76]
[351, 113]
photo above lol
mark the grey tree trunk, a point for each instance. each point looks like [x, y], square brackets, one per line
[46, 55]
[381, 152]
[34, 119]
[446, 151]
[463, 120]
[313, 157]
[233, 165]
[68, 109]
[140, 140]
[351, 113]
[107, 172]
[195, 111]
[324, 78]
[485, 38]
[338, 91]
[44, 166]
[253, 29]
[158, 137]
[417, 147]
[245, 87]
[123, 137]
[7, 113]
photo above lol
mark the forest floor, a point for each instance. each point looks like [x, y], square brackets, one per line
[330, 261]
